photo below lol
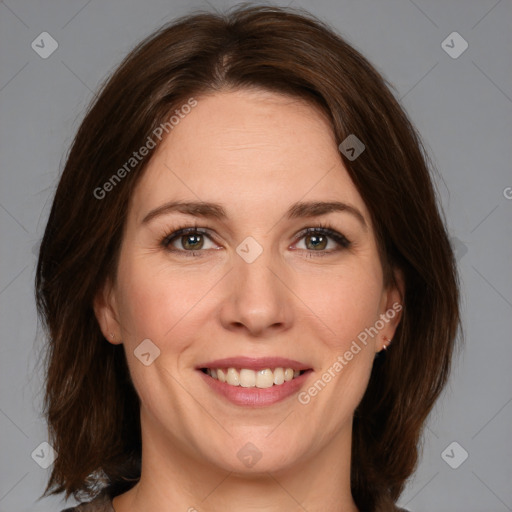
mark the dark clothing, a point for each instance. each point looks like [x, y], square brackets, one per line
[102, 503]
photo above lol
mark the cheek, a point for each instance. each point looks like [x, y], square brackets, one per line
[351, 308]
[156, 301]
[346, 301]
[142, 295]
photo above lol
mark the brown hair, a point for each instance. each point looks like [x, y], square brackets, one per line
[91, 405]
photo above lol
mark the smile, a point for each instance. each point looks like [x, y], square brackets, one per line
[254, 381]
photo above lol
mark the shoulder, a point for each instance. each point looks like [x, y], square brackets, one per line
[101, 503]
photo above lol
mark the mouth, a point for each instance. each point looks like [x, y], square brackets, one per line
[254, 382]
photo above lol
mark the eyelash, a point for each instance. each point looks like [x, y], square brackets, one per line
[320, 229]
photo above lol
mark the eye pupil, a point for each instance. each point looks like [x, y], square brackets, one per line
[193, 245]
[318, 241]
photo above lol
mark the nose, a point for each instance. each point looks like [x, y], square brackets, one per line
[257, 300]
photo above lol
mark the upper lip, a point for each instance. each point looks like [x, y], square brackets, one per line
[255, 363]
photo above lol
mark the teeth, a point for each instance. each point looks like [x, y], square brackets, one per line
[278, 376]
[247, 378]
[233, 377]
[264, 379]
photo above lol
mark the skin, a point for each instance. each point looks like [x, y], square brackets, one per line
[256, 153]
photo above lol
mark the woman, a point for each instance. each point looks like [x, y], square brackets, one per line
[250, 296]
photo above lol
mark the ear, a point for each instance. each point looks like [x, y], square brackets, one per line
[391, 309]
[105, 310]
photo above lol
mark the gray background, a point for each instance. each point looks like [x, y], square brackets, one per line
[463, 110]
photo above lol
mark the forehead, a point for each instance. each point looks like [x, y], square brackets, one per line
[250, 150]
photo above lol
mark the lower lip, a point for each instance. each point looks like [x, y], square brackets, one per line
[256, 397]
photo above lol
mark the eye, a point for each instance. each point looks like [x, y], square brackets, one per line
[187, 241]
[193, 241]
[317, 239]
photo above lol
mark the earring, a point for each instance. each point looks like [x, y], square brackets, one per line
[385, 339]
[112, 335]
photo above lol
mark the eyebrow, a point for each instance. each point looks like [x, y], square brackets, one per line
[216, 211]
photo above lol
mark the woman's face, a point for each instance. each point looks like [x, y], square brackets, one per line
[250, 283]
